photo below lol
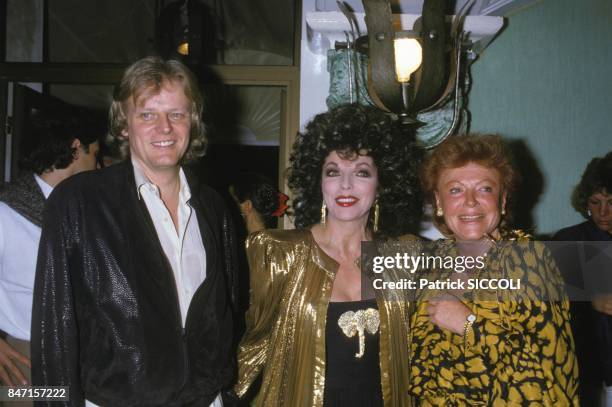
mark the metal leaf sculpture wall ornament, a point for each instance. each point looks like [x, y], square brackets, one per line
[436, 98]
[362, 70]
[437, 122]
[429, 80]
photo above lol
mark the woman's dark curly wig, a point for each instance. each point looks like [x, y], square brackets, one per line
[355, 129]
[597, 178]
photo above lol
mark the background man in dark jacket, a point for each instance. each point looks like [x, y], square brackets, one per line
[58, 144]
[135, 270]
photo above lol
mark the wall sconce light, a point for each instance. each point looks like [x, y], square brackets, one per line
[183, 48]
[411, 71]
[183, 27]
[408, 56]
[364, 71]
[186, 29]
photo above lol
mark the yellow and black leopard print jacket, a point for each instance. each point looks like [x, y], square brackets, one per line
[519, 351]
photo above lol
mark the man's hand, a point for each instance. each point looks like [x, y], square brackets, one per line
[603, 304]
[9, 360]
[448, 313]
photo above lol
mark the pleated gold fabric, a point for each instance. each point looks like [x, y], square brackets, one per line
[291, 284]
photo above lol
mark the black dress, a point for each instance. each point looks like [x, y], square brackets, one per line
[592, 330]
[351, 380]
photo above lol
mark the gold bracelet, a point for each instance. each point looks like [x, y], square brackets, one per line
[466, 329]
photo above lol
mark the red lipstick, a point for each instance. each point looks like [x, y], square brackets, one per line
[346, 201]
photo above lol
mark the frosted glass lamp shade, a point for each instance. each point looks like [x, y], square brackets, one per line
[183, 48]
[408, 57]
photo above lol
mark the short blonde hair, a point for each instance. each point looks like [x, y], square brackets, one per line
[488, 150]
[146, 77]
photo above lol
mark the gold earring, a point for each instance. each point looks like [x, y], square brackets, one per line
[503, 212]
[439, 212]
[376, 216]
[323, 213]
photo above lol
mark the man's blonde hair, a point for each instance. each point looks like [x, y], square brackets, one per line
[144, 78]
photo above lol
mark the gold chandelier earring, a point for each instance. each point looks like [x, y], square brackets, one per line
[376, 216]
[439, 212]
[323, 214]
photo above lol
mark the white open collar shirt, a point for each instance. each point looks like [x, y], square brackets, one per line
[19, 240]
[183, 245]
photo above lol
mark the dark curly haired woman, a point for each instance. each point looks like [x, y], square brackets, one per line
[310, 333]
[259, 202]
[592, 322]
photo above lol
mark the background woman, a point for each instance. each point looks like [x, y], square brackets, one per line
[593, 199]
[260, 205]
[259, 202]
[498, 351]
[593, 325]
[311, 334]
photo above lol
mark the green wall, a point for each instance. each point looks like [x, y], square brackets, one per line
[546, 80]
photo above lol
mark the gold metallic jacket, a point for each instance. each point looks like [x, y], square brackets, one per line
[291, 284]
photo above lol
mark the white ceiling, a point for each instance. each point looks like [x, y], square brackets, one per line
[480, 7]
